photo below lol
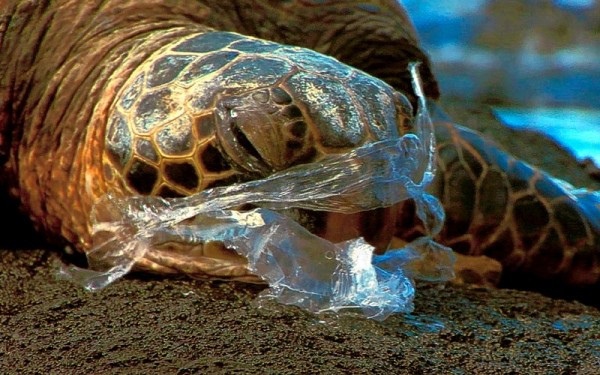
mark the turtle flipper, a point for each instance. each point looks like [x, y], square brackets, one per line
[503, 208]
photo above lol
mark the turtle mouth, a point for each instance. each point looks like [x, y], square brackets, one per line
[376, 226]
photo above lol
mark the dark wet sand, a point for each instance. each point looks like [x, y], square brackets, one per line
[148, 324]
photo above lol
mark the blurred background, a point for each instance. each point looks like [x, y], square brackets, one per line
[537, 62]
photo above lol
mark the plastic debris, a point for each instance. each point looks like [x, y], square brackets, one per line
[301, 268]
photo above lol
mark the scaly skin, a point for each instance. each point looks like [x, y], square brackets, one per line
[67, 62]
[77, 58]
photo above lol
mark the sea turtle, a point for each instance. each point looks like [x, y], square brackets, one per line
[171, 97]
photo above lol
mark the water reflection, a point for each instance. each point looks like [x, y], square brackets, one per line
[579, 129]
[537, 60]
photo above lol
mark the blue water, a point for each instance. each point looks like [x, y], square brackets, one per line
[577, 129]
[553, 90]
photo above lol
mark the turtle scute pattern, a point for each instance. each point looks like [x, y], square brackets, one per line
[495, 202]
[219, 107]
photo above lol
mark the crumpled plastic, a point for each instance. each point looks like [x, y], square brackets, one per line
[301, 268]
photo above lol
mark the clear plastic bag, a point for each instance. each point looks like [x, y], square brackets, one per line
[300, 268]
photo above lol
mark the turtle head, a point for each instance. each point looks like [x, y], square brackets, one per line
[263, 131]
[306, 116]
[218, 108]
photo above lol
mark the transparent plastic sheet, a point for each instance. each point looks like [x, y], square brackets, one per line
[301, 269]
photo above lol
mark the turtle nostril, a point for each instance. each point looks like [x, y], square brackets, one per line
[244, 141]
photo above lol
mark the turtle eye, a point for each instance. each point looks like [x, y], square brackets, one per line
[263, 130]
[243, 140]
[240, 120]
